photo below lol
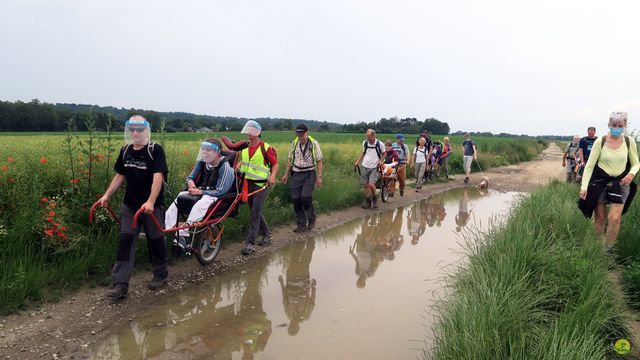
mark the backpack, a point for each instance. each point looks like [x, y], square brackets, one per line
[150, 149]
[424, 152]
[366, 147]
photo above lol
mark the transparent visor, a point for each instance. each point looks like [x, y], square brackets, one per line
[137, 132]
[250, 129]
[208, 152]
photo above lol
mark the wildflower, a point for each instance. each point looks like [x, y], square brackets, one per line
[43, 160]
[50, 219]
[4, 168]
[10, 159]
[44, 200]
[185, 152]
[12, 180]
[49, 232]
[52, 205]
[75, 181]
[52, 213]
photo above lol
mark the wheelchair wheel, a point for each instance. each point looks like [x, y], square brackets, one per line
[206, 244]
[384, 191]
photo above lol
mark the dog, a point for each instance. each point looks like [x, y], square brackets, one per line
[484, 184]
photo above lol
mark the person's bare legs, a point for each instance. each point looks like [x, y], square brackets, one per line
[600, 217]
[613, 223]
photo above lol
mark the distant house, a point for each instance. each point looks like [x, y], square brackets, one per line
[204, 130]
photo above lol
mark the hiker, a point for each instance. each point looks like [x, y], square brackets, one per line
[370, 160]
[390, 165]
[419, 162]
[444, 159]
[571, 157]
[436, 157]
[142, 164]
[259, 163]
[608, 179]
[429, 143]
[585, 146]
[470, 153]
[304, 165]
[211, 177]
[403, 155]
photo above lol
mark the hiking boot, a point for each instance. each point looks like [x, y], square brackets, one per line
[117, 293]
[367, 203]
[248, 249]
[300, 228]
[311, 225]
[374, 202]
[466, 179]
[266, 240]
[157, 282]
[401, 192]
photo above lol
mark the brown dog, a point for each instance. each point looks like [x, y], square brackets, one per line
[484, 184]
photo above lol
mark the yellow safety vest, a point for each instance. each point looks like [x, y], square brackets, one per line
[313, 149]
[254, 168]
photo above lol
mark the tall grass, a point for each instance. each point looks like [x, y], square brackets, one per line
[535, 288]
[43, 255]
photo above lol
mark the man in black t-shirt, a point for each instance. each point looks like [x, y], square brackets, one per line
[143, 166]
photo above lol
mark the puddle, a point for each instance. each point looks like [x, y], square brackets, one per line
[359, 291]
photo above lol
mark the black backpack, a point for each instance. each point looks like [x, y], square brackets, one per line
[366, 147]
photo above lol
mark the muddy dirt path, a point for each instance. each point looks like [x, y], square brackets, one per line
[67, 329]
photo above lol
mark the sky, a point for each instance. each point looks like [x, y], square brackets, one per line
[535, 67]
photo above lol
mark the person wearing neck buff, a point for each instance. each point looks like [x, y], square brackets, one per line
[141, 163]
[211, 177]
[608, 179]
[259, 163]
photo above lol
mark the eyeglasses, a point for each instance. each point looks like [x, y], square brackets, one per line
[138, 130]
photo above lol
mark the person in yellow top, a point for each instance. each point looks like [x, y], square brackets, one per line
[608, 179]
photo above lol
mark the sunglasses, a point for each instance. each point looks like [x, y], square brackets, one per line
[138, 130]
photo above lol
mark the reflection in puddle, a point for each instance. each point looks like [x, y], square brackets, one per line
[301, 302]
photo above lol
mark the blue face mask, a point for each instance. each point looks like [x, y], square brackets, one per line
[616, 132]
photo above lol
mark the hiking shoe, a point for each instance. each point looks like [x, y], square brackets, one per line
[367, 203]
[181, 242]
[374, 202]
[401, 192]
[248, 249]
[311, 225]
[266, 240]
[117, 293]
[157, 282]
[300, 228]
[390, 194]
[466, 179]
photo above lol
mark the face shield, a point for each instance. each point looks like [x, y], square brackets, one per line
[137, 131]
[251, 128]
[208, 153]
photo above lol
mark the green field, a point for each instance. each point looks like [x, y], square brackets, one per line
[48, 182]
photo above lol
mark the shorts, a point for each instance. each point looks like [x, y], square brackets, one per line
[467, 160]
[604, 199]
[368, 175]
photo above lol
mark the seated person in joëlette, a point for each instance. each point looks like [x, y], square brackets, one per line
[211, 178]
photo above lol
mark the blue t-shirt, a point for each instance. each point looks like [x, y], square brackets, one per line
[468, 147]
[586, 144]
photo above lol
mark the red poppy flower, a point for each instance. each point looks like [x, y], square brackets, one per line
[44, 200]
[11, 159]
[43, 160]
[4, 168]
[74, 181]
[50, 219]
[49, 232]
[52, 213]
